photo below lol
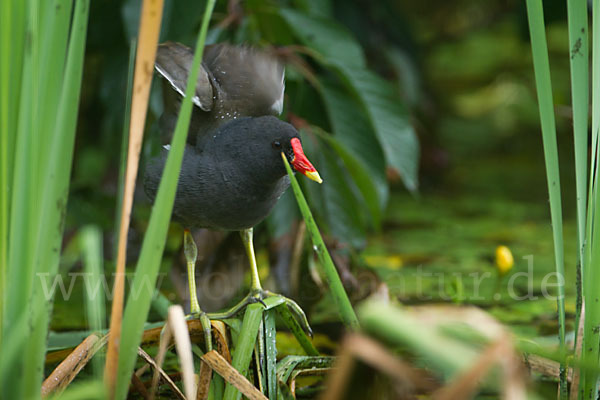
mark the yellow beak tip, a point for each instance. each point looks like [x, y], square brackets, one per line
[314, 175]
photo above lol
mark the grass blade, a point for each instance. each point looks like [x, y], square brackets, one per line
[10, 59]
[55, 192]
[333, 279]
[124, 141]
[52, 56]
[541, 66]
[591, 273]
[579, 63]
[579, 59]
[271, 347]
[245, 346]
[297, 330]
[90, 239]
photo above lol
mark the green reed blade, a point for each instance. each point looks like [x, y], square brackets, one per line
[271, 350]
[297, 330]
[245, 346]
[541, 66]
[579, 63]
[124, 141]
[333, 279]
[90, 240]
[54, 191]
[591, 273]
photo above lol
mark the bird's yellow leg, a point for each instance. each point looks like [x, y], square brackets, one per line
[247, 235]
[191, 254]
[257, 293]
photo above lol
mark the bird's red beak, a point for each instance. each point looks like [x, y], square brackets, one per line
[301, 163]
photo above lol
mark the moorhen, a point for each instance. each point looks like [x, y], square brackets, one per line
[232, 172]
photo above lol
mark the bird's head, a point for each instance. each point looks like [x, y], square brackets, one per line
[259, 142]
[292, 148]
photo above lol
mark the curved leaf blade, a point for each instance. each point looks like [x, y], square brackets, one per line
[331, 40]
[389, 119]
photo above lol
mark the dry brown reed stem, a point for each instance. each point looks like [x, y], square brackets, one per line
[75, 359]
[165, 340]
[151, 337]
[204, 377]
[144, 69]
[68, 369]
[231, 375]
[162, 373]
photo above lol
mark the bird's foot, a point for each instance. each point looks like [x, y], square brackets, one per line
[269, 300]
[206, 326]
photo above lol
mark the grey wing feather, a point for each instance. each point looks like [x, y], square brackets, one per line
[173, 62]
[234, 81]
[250, 81]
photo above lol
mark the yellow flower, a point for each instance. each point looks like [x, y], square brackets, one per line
[504, 259]
[393, 261]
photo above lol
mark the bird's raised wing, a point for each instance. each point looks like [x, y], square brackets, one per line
[173, 62]
[234, 81]
[248, 81]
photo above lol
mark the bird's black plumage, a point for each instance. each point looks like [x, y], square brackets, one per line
[232, 172]
[235, 179]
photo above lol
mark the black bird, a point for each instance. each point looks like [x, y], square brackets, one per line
[233, 172]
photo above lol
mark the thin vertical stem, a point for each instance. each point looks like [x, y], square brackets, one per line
[146, 54]
[579, 63]
[543, 83]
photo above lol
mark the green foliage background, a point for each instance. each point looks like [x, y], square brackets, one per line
[362, 74]
[363, 120]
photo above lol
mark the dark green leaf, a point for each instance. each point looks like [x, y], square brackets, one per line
[327, 37]
[356, 143]
[322, 8]
[344, 213]
[339, 51]
[389, 119]
[283, 215]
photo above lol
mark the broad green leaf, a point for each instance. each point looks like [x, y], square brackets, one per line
[361, 176]
[325, 36]
[344, 213]
[356, 143]
[281, 219]
[389, 118]
[339, 51]
[337, 201]
[323, 8]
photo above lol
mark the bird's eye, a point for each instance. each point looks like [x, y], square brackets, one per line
[276, 144]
